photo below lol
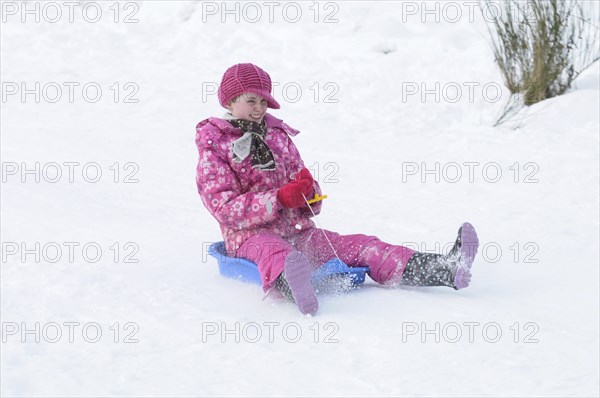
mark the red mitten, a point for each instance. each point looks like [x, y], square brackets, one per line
[290, 195]
[304, 174]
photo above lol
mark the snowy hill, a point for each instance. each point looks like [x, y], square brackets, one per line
[104, 257]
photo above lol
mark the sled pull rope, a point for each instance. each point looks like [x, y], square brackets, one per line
[308, 202]
[316, 199]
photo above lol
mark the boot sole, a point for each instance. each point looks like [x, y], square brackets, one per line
[468, 250]
[299, 277]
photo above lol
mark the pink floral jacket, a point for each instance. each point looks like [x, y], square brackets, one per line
[242, 199]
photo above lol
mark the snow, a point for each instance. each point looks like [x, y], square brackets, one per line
[370, 150]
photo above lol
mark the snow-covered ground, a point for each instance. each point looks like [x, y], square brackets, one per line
[106, 287]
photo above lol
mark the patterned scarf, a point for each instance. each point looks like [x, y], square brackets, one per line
[252, 143]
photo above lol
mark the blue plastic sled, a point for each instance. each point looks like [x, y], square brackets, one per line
[247, 271]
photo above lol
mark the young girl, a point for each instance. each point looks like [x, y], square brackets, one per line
[251, 178]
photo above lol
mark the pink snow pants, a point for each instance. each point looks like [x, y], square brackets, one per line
[268, 251]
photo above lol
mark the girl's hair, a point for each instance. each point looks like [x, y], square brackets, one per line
[236, 99]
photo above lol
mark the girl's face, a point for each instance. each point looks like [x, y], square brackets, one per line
[248, 106]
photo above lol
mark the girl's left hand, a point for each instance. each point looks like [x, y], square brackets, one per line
[292, 194]
[304, 174]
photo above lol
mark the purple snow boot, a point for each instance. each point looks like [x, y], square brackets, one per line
[296, 283]
[464, 251]
[452, 270]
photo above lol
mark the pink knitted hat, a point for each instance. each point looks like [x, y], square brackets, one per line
[242, 78]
